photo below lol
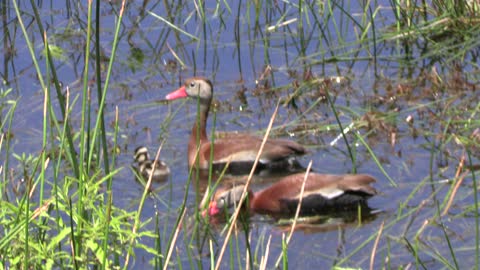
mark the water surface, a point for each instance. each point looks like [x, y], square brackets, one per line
[252, 69]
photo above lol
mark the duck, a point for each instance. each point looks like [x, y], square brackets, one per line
[323, 194]
[146, 166]
[238, 150]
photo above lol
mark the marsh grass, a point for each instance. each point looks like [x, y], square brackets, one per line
[59, 211]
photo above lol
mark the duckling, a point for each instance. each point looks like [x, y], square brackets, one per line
[145, 166]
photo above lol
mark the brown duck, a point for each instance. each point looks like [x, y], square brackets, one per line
[323, 193]
[237, 149]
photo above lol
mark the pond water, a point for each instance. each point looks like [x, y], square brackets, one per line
[251, 70]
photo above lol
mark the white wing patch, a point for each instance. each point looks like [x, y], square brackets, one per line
[328, 193]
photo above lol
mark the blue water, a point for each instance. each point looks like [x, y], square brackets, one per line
[136, 86]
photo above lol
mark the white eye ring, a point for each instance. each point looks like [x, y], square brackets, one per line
[221, 203]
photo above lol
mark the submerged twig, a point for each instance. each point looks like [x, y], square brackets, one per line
[375, 245]
[245, 189]
[173, 26]
[175, 236]
[297, 212]
[457, 185]
[264, 259]
[142, 201]
[272, 28]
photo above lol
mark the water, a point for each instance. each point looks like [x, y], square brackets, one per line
[235, 54]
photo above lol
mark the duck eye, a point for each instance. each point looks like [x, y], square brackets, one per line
[221, 203]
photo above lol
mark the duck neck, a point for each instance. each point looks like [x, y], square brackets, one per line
[247, 202]
[199, 129]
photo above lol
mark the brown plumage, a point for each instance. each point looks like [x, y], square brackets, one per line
[238, 149]
[322, 193]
